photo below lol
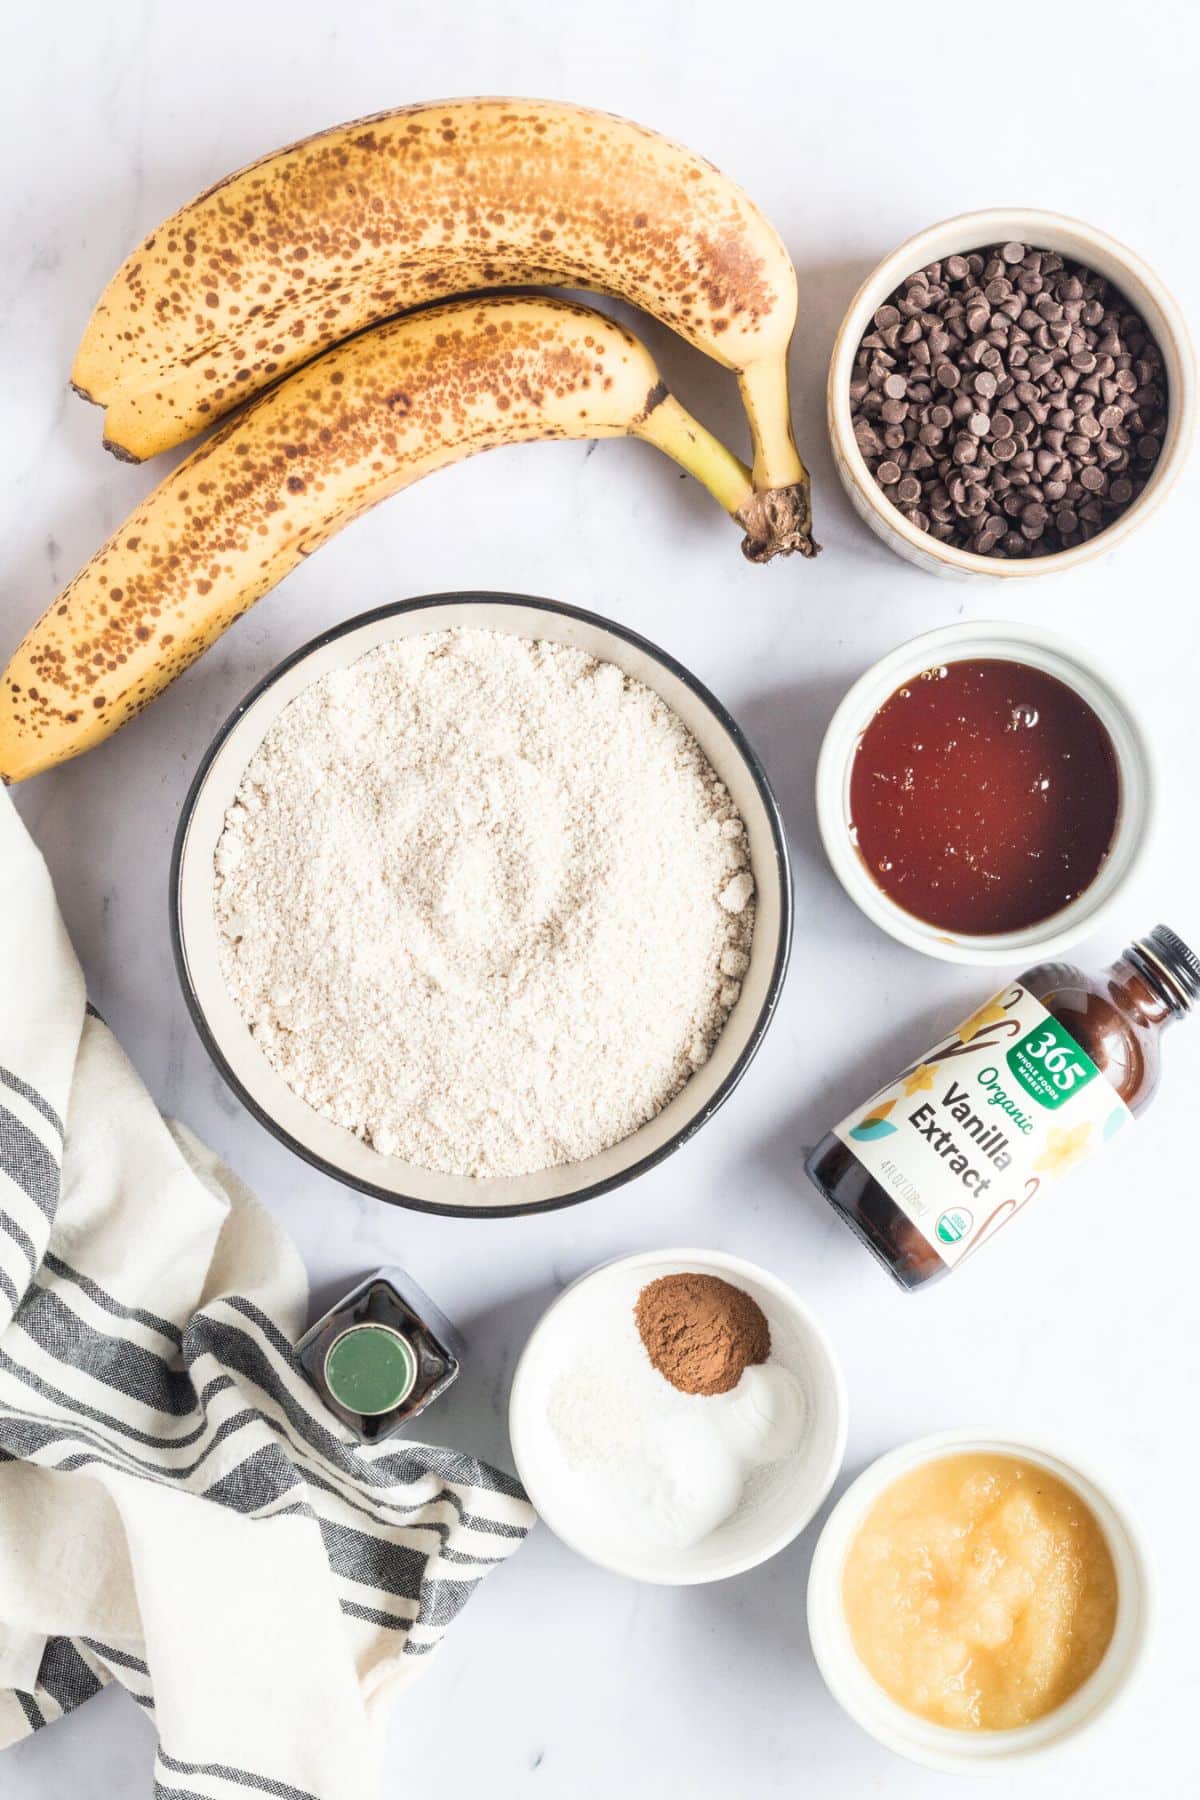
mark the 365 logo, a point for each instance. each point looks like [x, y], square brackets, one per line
[1050, 1065]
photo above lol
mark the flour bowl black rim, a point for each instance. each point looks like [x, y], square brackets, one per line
[431, 602]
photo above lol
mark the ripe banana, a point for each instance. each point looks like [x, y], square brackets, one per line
[314, 242]
[281, 477]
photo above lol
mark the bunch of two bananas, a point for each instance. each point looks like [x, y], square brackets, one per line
[277, 280]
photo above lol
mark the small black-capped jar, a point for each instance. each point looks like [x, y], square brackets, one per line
[1044, 1074]
[382, 1355]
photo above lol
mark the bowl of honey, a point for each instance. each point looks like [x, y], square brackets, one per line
[985, 792]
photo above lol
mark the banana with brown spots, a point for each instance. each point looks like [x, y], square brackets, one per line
[278, 479]
[314, 242]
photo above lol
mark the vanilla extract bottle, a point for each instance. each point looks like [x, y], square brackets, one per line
[1044, 1074]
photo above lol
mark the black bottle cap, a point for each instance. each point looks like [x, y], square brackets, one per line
[1176, 964]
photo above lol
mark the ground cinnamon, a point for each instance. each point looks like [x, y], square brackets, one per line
[700, 1332]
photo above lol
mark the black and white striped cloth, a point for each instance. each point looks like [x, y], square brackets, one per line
[178, 1512]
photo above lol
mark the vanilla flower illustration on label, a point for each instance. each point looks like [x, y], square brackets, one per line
[965, 1137]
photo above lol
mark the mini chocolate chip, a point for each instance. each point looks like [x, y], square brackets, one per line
[1071, 377]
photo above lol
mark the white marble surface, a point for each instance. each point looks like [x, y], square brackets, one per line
[561, 1680]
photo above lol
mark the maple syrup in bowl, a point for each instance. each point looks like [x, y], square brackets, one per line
[984, 793]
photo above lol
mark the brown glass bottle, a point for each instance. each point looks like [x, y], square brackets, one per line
[381, 1355]
[1116, 1018]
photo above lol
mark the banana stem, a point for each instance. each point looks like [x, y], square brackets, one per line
[775, 522]
[765, 397]
[671, 428]
[779, 517]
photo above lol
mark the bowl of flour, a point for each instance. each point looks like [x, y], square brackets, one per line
[481, 903]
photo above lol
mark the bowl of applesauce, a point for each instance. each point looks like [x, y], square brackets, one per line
[976, 1600]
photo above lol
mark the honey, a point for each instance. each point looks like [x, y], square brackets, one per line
[984, 796]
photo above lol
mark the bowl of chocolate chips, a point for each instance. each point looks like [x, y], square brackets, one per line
[1011, 393]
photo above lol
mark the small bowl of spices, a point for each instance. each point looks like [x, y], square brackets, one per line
[984, 793]
[1011, 392]
[678, 1416]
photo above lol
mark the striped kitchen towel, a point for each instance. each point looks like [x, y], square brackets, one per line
[178, 1512]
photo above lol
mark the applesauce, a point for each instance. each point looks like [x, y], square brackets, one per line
[979, 1591]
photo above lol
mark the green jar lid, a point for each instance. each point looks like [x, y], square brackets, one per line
[370, 1369]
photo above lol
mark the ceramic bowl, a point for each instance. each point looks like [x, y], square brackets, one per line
[757, 1531]
[1040, 649]
[939, 1746]
[1046, 231]
[332, 1148]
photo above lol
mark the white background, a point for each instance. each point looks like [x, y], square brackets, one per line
[853, 126]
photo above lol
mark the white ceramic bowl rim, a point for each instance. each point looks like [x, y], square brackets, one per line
[1043, 650]
[939, 1746]
[334, 1151]
[831, 1400]
[1048, 230]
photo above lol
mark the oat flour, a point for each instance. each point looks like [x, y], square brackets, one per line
[483, 901]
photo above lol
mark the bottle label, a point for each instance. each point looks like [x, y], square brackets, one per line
[964, 1138]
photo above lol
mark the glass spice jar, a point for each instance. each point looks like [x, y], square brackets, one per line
[1041, 1076]
[382, 1355]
